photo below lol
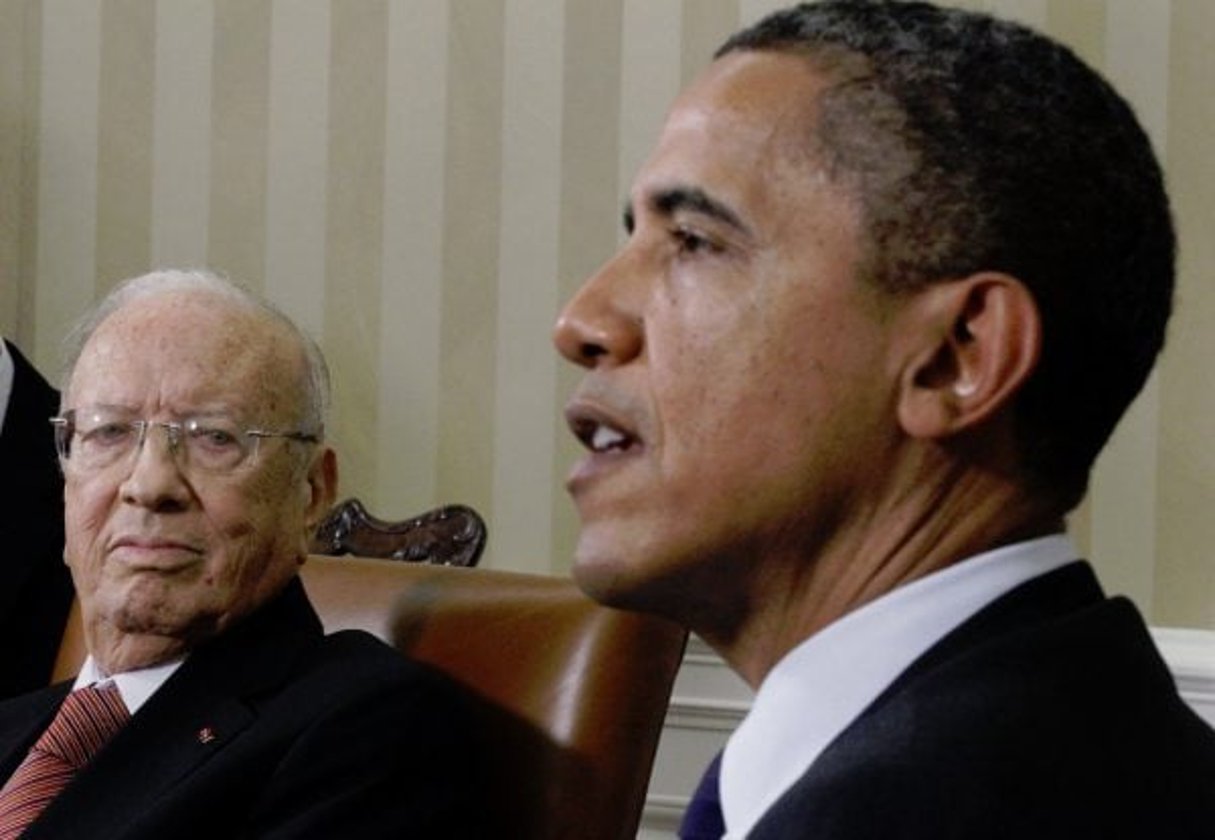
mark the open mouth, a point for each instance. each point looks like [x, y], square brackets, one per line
[601, 437]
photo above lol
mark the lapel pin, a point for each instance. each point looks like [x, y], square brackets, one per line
[206, 735]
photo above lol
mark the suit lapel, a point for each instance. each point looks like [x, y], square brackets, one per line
[201, 711]
[33, 501]
[1043, 599]
[22, 720]
[1035, 604]
[31, 405]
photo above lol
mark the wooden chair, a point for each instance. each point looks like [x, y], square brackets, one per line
[569, 695]
[452, 535]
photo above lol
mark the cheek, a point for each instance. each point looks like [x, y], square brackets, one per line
[720, 400]
[87, 507]
[259, 530]
[259, 505]
[702, 365]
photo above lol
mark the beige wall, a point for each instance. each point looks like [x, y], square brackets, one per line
[422, 182]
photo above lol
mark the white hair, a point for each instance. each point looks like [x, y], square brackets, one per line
[316, 397]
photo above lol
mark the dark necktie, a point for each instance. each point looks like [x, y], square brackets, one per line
[86, 720]
[703, 819]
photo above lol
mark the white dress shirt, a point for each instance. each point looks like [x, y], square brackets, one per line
[6, 380]
[823, 685]
[134, 686]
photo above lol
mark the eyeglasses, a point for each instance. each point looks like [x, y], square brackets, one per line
[94, 439]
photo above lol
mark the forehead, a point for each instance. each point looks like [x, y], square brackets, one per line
[191, 350]
[750, 115]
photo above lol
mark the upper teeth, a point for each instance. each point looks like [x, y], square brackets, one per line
[606, 437]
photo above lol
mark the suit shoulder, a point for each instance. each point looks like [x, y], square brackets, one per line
[1050, 730]
[351, 663]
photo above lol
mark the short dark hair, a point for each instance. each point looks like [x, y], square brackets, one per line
[977, 144]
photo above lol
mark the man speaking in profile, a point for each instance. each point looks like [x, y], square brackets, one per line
[893, 274]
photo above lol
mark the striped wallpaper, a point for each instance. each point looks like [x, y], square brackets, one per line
[423, 182]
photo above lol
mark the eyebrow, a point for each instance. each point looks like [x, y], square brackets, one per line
[196, 414]
[671, 200]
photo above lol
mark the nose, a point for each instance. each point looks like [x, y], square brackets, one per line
[602, 324]
[156, 481]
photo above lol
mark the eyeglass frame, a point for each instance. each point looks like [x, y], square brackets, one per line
[174, 430]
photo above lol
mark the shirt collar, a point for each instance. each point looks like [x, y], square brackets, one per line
[824, 684]
[134, 686]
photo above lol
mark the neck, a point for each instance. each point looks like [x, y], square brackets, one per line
[795, 591]
[132, 654]
[116, 651]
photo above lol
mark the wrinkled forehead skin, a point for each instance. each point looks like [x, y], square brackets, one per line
[192, 350]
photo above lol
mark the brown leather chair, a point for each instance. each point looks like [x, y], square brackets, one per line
[451, 535]
[570, 696]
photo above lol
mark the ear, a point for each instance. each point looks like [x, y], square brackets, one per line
[321, 487]
[976, 341]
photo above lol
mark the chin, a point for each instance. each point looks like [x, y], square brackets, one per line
[625, 582]
[607, 576]
[152, 608]
[159, 620]
[594, 579]
[694, 583]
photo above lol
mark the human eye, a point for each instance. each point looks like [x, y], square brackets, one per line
[213, 443]
[689, 241]
[105, 433]
[212, 435]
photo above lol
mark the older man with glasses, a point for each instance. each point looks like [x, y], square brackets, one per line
[211, 704]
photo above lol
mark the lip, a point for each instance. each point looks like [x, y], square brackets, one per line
[158, 554]
[595, 419]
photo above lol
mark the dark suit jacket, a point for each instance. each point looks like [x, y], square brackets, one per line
[270, 730]
[1049, 714]
[35, 586]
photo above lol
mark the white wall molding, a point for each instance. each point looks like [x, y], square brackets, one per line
[707, 694]
[661, 816]
[1191, 657]
[706, 713]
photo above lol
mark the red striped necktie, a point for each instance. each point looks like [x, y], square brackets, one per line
[86, 720]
